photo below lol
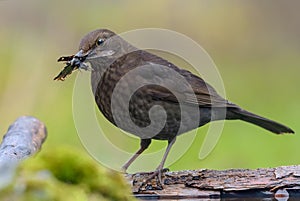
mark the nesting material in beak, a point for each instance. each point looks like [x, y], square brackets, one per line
[72, 62]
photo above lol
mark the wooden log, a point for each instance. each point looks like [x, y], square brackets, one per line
[23, 138]
[272, 183]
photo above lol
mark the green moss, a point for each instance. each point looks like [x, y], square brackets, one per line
[65, 174]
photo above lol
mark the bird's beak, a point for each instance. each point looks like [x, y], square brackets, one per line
[72, 63]
[78, 59]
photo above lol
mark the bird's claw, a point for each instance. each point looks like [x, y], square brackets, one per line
[148, 185]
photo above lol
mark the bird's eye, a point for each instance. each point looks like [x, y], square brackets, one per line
[100, 41]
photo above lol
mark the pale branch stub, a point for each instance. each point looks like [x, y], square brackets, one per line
[24, 138]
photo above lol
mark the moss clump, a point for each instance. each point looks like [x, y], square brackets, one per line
[65, 174]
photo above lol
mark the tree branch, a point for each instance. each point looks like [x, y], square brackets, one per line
[23, 138]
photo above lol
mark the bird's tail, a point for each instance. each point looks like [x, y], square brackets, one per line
[260, 121]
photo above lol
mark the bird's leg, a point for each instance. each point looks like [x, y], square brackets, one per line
[159, 169]
[143, 146]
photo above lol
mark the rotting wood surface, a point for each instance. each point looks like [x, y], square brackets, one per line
[279, 182]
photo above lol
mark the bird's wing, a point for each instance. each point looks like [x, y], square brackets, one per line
[201, 97]
[187, 88]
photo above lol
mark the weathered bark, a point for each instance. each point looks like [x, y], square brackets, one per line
[23, 138]
[234, 183]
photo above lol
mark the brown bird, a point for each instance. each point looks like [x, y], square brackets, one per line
[150, 97]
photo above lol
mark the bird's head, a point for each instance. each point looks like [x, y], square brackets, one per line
[98, 46]
[98, 43]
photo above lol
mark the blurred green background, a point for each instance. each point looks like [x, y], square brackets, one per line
[255, 45]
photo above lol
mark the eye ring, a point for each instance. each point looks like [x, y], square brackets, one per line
[100, 41]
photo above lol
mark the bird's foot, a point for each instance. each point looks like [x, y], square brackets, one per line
[152, 172]
[149, 184]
